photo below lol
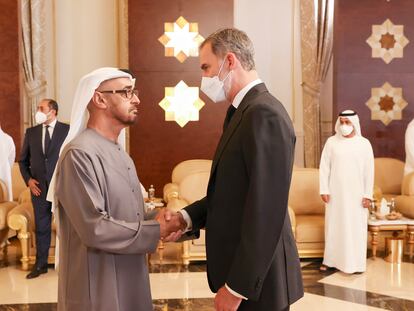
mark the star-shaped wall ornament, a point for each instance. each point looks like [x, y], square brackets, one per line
[181, 39]
[181, 103]
[387, 41]
[386, 103]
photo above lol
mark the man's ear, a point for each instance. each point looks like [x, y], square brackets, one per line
[232, 60]
[99, 101]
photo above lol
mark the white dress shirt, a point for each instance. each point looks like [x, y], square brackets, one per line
[236, 102]
[51, 129]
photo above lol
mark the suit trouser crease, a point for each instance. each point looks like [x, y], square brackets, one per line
[43, 223]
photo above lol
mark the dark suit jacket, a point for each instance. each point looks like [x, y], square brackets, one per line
[249, 240]
[33, 163]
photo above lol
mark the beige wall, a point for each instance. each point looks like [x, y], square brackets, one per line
[274, 29]
[86, 37]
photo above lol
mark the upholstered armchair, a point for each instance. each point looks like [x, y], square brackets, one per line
[405, 202]
[189, 184]
[388, 180]
[5, 207]
[182, 170]
[307, 212]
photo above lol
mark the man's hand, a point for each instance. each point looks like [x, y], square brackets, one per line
[366, 203]
[226, 301]
[32, 183]
[172, 225]
[325, 197]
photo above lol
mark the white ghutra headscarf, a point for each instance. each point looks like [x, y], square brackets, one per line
[351, 116]
[79, 116]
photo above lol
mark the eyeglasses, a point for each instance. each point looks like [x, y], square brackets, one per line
[127, 93]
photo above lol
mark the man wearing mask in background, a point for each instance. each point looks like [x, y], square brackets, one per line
[38, 159]
[346, 186]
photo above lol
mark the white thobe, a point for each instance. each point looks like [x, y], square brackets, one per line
[347, 175]
[7, 157]
[409, 149]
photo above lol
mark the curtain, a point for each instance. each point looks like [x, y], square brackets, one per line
[317, 44]
[33, 53]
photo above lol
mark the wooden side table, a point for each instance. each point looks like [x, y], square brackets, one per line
[404, 224]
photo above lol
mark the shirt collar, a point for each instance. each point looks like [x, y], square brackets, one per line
[240, 95]
[52, 124]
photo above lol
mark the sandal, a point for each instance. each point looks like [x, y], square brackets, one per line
[323, 268]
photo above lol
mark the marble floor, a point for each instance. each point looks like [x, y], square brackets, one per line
[384, 286]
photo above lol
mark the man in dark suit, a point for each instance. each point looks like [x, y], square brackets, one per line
[38, 159]
[252, 259]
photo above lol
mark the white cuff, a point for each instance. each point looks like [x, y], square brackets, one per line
[235, 293]
[187, 219]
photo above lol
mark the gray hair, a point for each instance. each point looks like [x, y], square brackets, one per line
[235, 41]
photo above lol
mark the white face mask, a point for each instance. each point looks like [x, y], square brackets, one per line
[40, 117]
[346, 129]
[213, 87]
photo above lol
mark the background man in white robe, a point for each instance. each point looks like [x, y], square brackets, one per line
[104, 231]
[7, 157]
[409, 148]
[346, 186]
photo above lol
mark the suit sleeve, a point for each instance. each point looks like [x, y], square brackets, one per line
[86, 211]
[24, 160]
[198, 214]
[268, 149]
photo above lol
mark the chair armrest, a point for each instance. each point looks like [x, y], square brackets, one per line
[407, 187]
[25, 196]
[171, 190]
[5, 208]
[292, 217]
[22, 217]
[405, 205]
[176, 204]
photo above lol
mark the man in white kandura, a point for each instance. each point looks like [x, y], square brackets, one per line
[7, 157]
[346, 186]
[409, 148]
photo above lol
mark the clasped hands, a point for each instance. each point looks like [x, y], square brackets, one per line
[172, 225]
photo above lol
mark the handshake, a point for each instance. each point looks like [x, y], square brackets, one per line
[172, 225]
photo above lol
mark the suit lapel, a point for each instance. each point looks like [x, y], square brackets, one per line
[234, 123]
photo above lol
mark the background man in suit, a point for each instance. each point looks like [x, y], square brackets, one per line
[252, 260]
[38, 159]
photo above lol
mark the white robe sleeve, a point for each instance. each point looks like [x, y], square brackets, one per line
[368, 171]
[409, 149]
[12, 153]
[325, 169]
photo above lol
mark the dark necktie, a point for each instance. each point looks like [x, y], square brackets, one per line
[230, 111]
[47, 139]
